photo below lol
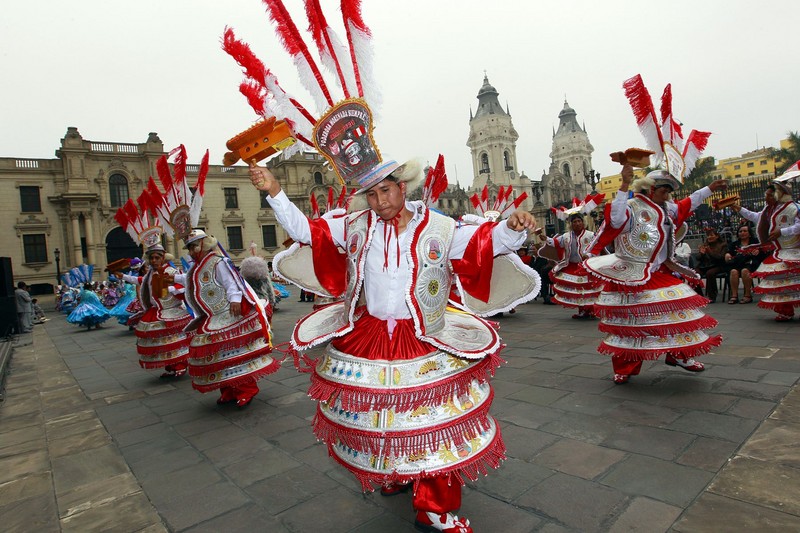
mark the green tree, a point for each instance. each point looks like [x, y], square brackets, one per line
[789, 154]
[701, 174]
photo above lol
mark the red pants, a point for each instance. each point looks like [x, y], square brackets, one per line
[242, 391]
[434, 495]
[177, 367]
[626, 368]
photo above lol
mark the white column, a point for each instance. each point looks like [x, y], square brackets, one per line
[89, 239]
[76, 239]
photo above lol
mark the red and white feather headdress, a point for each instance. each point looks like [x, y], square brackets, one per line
[579, 206]
[177, 207]
[341, 126]
[143, 228]
[494, 210]
[333, 203]
[664, 136]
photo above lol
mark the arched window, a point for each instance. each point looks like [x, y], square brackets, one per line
[484, 164]
[507, 160]
[318, 178]
[118, 190]
[566, 171]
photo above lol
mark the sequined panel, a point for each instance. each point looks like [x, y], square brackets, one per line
[339, 367]
[445, 457]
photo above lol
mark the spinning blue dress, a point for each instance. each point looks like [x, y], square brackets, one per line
[120, 310]
[90, 311]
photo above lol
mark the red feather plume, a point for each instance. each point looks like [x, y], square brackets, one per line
[164, 175]
[318, 27]
[293, 41]
[240, 51]
[330, 204]
[200, 186]
[519, 199]
[121, 218]
[314, 205]
[254, 94]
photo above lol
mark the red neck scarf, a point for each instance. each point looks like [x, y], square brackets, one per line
[388, 226]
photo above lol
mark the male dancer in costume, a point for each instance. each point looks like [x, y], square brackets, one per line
[647, 312]
[160, 339]
[231, 343]
[402, 389]
[572, 286]
[778, 223]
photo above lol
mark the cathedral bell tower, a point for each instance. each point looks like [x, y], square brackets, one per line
[572, 152]
[492, 142]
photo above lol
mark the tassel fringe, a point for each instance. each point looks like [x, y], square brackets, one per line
[651, 355]
[490, 457]
[367, 399]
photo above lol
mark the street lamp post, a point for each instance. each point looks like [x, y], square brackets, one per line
[537, 190]
[592, 178]
[57, 255]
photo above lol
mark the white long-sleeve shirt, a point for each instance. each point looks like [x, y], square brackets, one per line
[619, 214]
[753, 217]
[384, 288]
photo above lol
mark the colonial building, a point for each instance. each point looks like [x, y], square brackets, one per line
[63, 208]
[570, 174]
[493, 144]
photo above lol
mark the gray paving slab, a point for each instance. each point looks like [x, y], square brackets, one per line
[574, 502]
[671, 451]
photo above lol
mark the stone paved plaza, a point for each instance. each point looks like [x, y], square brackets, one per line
[91, 442]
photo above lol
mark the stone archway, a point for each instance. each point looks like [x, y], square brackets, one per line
[119, 245]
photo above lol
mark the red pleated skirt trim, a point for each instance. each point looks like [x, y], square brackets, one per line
[489, 458]
[171, 327]
[246, 378]
[403, 443]
[150, 365]
[245, 325]
[704, 322]
[778, 307]
[202, 370]
[659, 279]
[159, 348]
[777, 290]
[649, 355]
[693, 302]
[575, 269]
[789, 268]
[370, 339]
[369, 399]
[222, 344]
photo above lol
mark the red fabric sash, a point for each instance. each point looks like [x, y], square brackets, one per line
[607, 233]
[330, 265]
[475, 267]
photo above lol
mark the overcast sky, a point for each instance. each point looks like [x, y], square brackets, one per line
[117, 70]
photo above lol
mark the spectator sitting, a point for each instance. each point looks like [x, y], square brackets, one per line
[711, 261]
[38, 314]
[742, 264]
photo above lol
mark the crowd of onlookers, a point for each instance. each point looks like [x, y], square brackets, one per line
[720, 255]
[736, 259]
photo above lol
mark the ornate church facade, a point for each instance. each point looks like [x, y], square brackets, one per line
[492, 142]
